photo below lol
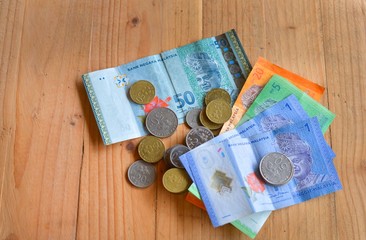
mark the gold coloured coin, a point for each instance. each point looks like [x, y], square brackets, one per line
[217, 93]
[206, 122]
[218, 111]
[151, 149]
[216, 132]
[142, 92]
[176, 180]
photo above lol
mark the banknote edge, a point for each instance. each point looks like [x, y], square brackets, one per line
[240, 51]
[96, 109]
[237, 224]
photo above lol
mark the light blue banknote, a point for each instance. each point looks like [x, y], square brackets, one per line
[287, 111]
[181, 77]
[250, 225]
[227, 179]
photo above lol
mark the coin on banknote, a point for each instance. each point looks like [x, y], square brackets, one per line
[218, 111]
[193, 118]
[175, 153]
[198, 136]
[161, 122]
[276, 168]
[217, 93]
[206, 122]
[142, 92]
[151, 149]
[141, 174]
[176, 180]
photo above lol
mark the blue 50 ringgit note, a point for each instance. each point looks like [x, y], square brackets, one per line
[181, 77]
[227, 179]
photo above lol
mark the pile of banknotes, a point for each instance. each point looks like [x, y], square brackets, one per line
[276, 111]
[269, 153]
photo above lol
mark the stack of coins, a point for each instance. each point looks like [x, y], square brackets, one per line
[171, 156]
[217, 110]
[161, 123]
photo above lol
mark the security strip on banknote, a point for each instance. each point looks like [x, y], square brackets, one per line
[181, 77]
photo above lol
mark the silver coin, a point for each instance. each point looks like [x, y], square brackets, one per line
[198, 136]
[276, 168]
[175, 153]
[193, 118]
[161, 122]
[167, 157]
[141, 174]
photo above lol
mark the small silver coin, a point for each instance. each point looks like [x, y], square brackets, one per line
[141, 174]
[167, 161]
[276, 168]
[161, 122]
[193, 118]
[198, 136]
[167, 156]
[175, 153]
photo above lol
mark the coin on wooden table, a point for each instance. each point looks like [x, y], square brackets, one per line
[141, 174]
[217, 93]
[193, 118]
[276, 168]
[142, 92]
[206, 122]
[175, 153]
[218, 111]
[167, 156]
[198, 136]
[161, 122]
[176, 180]
[151, 149]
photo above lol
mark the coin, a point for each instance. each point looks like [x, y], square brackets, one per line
[206, 122]
[176, 180]
[142, 92]
[161, 122]
[167, 156]
[217, 93]
[175, 153]
[218, 111]
[198, 136]
[141, 174]
[276, 168]
[193, 119]
[151, 149]
[216, 132]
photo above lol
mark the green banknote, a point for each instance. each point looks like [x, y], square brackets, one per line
[279, 88]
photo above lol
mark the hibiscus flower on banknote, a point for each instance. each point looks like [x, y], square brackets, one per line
[155, 103]
[256, 186]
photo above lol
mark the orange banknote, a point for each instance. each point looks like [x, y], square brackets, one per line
[262, 71]
[195, 201]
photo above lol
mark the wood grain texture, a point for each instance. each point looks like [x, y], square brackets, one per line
[58, 180]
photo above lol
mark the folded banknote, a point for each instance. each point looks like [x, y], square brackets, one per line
[227, 178]
[286, 111]
[181, 78]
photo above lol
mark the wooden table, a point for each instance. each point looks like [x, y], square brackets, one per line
[58, 180]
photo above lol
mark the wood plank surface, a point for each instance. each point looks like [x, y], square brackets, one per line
[58, 180]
